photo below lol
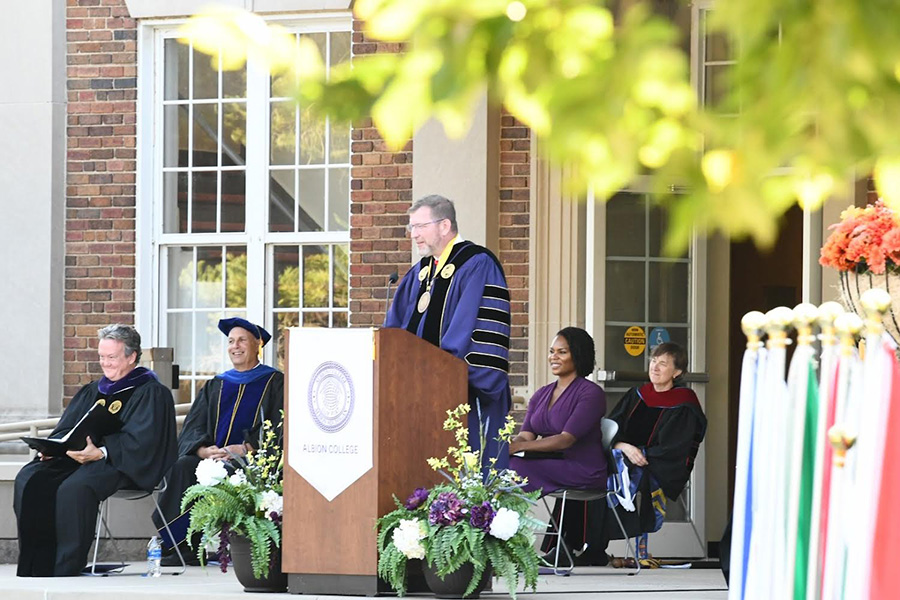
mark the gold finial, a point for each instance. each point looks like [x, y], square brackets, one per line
[875, 303]
[778, 321]
[848, 326]
[804, 316]
[828, 312]
[841, 441]
[752, 324]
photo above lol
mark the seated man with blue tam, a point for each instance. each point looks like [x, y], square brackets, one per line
[224, 420]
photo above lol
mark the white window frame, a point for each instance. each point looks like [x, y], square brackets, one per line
[150, 286]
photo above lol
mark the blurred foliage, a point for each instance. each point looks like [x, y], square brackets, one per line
[809, 102]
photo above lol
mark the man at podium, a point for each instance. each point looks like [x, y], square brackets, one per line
[456, 298]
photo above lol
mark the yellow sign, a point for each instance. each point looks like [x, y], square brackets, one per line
[635, 340]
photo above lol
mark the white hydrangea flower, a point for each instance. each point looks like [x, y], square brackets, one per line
[238, 479]
[408, 538]
[270, 501]
[210, 472]
[505, 524]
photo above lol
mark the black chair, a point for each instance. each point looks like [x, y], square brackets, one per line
[609, 429]
[103, 512]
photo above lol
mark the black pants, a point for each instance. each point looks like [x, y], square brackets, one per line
[56, 506]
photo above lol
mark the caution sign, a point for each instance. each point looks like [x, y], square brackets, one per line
[635, 340]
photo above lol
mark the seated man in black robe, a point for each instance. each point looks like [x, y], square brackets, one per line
[56, 498]
[224, 420]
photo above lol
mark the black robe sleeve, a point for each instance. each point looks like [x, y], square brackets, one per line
[200, 424]
[145, 447]
[671, 453]
[272, 405]
[620, 414]
[81, 402]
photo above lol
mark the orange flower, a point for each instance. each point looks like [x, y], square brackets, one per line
[865, 239]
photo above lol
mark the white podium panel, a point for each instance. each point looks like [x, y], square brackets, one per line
[331, 373]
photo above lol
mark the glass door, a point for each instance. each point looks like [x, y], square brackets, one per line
[637, 298]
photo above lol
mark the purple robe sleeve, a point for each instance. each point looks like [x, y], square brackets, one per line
[477, 327]
[404, 298]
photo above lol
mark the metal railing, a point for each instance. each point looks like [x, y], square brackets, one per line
[43, 427]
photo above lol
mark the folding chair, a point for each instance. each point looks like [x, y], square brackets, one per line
[609, 429]
[128, 494]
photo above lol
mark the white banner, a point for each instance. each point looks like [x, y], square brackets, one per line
[330, 424]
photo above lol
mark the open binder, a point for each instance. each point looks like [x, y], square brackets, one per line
[96, 423]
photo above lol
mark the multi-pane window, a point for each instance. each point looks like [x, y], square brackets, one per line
[251, 203]
[204, 143]
[644, 287]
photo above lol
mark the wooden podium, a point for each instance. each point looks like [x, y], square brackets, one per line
[329, 547]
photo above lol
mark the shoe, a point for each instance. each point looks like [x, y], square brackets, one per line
[170, 559]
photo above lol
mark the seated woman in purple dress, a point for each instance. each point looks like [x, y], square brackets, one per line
[564, 418]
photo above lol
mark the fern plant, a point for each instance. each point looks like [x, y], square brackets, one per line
[247, 502]
[473, 517]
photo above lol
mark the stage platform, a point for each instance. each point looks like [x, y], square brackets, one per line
[587, 583]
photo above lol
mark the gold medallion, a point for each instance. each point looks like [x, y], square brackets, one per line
[424, 273]
[115, 407]
[424, 299]
[447, 272]
[101, 402]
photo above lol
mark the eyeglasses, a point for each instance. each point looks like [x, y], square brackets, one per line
[417, 226]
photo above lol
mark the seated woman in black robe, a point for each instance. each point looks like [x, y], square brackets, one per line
[56, 498]
[661, 426]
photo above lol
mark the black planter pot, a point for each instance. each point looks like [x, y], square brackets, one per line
[453, 585]
[243, 568]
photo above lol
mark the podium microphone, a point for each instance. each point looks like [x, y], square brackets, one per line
[392, 278]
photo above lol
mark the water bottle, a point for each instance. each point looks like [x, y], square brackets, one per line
[154, 557]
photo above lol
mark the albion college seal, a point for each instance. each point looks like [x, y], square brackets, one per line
[330, 397]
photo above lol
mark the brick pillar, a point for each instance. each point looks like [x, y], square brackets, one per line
[380, 194]
[515, 166]
[100, 180]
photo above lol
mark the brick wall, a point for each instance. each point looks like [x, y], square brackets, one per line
[380, 194]
[515, 166]
[100, 195]
[100, 180]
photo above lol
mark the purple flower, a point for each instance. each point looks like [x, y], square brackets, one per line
[445, 510]
[416, 499]
[481, 516]
[222, 553]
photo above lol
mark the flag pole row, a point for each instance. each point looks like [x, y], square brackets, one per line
[812, 467]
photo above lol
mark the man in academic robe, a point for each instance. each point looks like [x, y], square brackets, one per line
[224, 421]
[456, 298]
[56, 498]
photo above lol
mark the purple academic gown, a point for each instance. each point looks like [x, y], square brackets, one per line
[577, 411]
[469, 317]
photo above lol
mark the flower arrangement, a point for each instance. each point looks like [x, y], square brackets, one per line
[471, 518]
[866, 238]
[248, 502]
